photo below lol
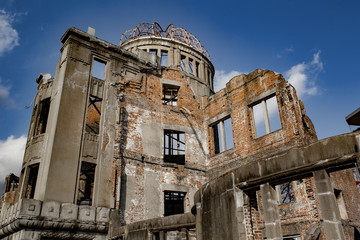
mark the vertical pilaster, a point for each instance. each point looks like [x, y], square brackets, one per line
[198, 222]
[240, 216]
[177, 57]
[331, 220]
[271, 212]
[171, 56]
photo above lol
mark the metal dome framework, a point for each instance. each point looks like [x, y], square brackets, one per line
[154, 30]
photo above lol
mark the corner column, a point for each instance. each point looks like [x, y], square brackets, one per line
[271, 212]
[331, 220]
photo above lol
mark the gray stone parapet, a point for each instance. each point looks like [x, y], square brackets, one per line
[54, 216]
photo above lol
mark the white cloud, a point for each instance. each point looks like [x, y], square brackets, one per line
[222, 77]
[9, 37]
[11, 156]
[303, 75]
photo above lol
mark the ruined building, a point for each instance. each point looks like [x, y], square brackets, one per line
[131, 142]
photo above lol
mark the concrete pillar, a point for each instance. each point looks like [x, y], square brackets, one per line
[206, 75]
[177, 57]
[171, 56]
[239, 206]
[162, 235]
[198, 222]
[331, 220]
[187, 64]
[194, 67]
[222, 136]
[271, 212]
[266, 117]
[201, 71]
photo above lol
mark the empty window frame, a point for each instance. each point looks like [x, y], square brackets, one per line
[173, 203]
[197, 69]
[42, 117]
[86, 183]
[223, 136]
[98, 69]
[164, 58]
[153, 52]
[183, 63]
[266, 116]
[170, 95]
[93, 115]
[341, 204]
[174, 147]
[286, 193]
[33, 171]
[191, 66]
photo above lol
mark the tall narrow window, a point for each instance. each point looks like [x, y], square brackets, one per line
[42, 117]
[153, 52]
[197, 69]
[93, 115]
[173, 203]
[223, 137]
[98, 69]
[174, 147]
[86, 183]
[164, 58]
[183, 63]
[170, 95]
[31, 182]
[191, 66]
[266, 116]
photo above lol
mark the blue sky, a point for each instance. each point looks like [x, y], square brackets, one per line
[315, 44]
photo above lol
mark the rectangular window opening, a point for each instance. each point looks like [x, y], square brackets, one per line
[266, 116]
[98, 69]
[86, 183]
[183, 63]
[286, 193]
[197, 69]
[164, 58]
[173, 203]
[191, 66]
[223, 136]
[93, 115]
[170, 95]
[42, 117]
[153, 52]
[174, 147]
[31, 182]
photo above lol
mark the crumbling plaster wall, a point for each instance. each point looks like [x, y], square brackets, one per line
[140, 145]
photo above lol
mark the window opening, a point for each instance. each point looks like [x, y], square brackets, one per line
[164, 58]
[42, 118]
[93, 115]
[31, 183]
[286, 193]
[86, 183]
[173, 203]
[341, 204]
[153, 52]
[11, 183]
[197, 69]
[191, 66]
[223, 136]
[183, 63]
[98, 69]
[170, 95]
[266, 117]
[357, 177]
[174, 147]
[209, 76]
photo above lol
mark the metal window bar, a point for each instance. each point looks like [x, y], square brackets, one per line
[174, 147]
[170, 95]
[93, 115]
